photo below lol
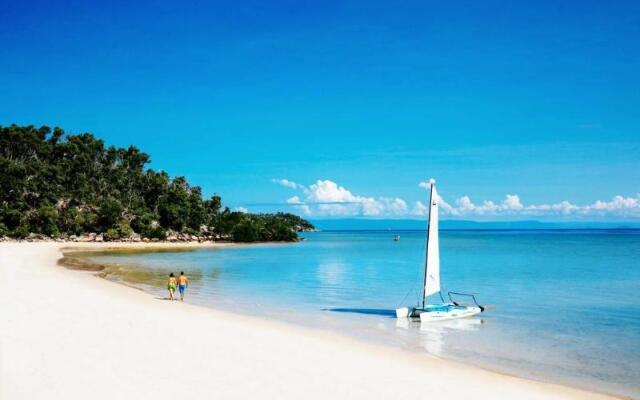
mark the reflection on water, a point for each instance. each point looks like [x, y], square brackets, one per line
[432, 338]
[434, 334]
[330, 276]
[560, 297]
[330, 273]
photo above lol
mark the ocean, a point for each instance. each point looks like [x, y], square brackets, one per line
[564, 304]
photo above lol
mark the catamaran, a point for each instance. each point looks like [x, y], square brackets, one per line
[431, 286]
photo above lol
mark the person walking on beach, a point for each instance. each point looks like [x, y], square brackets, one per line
[183, 282]
[171, 285]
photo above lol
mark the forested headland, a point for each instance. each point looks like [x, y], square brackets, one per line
[67, 186]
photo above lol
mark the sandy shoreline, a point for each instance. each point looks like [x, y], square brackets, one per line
[67, 334]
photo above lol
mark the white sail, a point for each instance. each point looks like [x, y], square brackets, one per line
[432, 272]
[435, 312]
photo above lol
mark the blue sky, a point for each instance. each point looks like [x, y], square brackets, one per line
[536, 99]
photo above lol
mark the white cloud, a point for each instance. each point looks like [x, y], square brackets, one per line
[512, 202]
[618, 203]
[444, 206]
[420, 209]
[299, 205]
[465, 204]
[619, 206]
[427, 184]
[325, 191]
[396, 206]
[328, 198]
[336, 200]
[287, 183]
[241, 209]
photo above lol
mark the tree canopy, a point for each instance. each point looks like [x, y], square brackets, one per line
[58, 184]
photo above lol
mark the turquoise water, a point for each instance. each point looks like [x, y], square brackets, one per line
[567, 303]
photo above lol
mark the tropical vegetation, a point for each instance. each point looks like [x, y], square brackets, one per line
[58, 185]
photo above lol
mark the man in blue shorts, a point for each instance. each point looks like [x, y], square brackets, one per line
[183, 282]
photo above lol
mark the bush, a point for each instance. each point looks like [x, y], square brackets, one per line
[156, 233]
[110, 213]
[45, 221]
[124, 230]
[147, 226]
[20, 232]
[246, 231]
[283, 233]
[88, 221]
[111, 234]
[4, 231]
[191, 231]
[141, 222]
[70, 220]
[12, 218]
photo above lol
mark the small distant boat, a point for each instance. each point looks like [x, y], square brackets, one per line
[396, 238]
[431, 286]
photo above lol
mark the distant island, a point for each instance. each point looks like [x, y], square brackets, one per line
[73, 187]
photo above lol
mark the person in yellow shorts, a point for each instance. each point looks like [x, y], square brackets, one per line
[171, 285]
[183, 283]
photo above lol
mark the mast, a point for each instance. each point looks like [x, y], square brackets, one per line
[426, 258]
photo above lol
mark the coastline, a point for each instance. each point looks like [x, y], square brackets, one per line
[122, 340]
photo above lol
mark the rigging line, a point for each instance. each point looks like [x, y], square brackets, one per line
[411, 289]
[398, 305]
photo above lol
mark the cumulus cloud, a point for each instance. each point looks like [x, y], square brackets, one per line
[420, 209]
[295, 200]
[465, 206]
[241, 209]
[334, 199]
[395, 205]
[512, 205]
[512, 202]
[287, 183]
[328, 198]
[619, 206]
[425, 185]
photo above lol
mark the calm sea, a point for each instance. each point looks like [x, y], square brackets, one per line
[567, 303]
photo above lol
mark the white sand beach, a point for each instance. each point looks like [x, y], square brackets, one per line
[71, 335]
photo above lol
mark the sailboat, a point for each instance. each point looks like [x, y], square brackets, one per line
[445, 310]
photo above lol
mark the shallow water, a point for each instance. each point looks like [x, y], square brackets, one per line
[567, 303]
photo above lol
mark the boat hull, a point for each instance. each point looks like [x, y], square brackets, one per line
[440, 312]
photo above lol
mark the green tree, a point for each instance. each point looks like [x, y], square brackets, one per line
[44, 221]
[110, 213]
[56, 183]
[247, 230]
